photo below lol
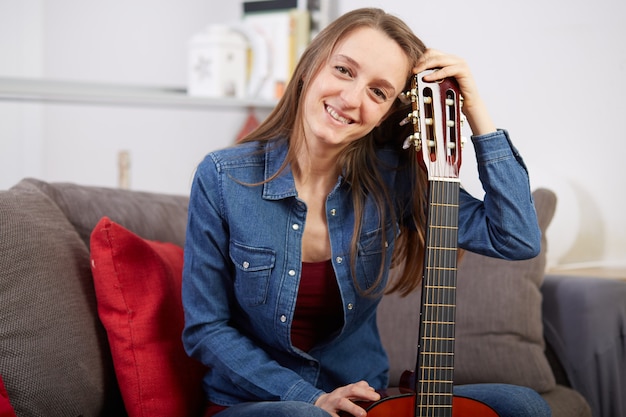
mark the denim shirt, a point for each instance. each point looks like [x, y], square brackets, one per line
[243, 260]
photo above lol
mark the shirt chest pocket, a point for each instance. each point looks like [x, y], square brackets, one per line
[253, 267]
[371, 248]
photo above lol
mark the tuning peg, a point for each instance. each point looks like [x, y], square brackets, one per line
[413, 140]
[410, 118]
[405, 97]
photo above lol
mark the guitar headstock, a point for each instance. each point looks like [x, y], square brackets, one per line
[437, 121]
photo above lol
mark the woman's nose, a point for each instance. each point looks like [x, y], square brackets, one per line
[352, 95]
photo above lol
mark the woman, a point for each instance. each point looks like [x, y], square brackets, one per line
[291, 234]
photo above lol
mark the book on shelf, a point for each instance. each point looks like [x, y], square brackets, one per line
[285, 29]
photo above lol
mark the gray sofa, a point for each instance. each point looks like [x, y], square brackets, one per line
[55, 356]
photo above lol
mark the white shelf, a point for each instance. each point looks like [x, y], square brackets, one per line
[75, 92]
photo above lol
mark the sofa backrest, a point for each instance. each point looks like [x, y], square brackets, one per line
[154, 216]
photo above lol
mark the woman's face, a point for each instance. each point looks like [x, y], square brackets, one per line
[354, 89]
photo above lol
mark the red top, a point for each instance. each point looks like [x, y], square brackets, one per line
[319, 310]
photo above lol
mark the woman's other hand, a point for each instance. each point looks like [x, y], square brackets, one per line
[342, 399]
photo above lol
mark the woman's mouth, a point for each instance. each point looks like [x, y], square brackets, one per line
[337, 116]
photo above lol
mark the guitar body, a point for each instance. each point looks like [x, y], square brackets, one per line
[396, 403]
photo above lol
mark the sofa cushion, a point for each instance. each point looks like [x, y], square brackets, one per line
[53, 352]
[138, 285]
[499, 331]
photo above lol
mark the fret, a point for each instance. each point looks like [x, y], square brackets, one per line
[440, 287]
[443, 227]
[442, 248]
[441, 368]
[437, 399]
[444, 382]
[438, 353]
[450, 322]
[441, 268]
[439, 377]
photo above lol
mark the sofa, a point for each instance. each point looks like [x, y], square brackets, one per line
[90, 313]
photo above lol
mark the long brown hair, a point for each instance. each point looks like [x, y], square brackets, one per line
[359, 157]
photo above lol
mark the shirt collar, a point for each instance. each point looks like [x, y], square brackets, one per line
[284, 185]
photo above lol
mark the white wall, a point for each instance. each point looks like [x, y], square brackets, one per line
[553, 74]
[143, 42]
[21, 55]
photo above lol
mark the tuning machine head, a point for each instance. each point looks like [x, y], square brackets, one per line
[413, 140]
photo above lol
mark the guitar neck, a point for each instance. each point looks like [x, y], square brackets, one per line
[435, 362]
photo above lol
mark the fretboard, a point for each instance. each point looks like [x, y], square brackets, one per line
[435, 362]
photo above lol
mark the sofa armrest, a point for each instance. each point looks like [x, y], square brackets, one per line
[585, 324]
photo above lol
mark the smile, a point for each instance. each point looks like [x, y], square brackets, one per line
[337, 117]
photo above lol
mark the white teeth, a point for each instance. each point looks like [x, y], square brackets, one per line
[337, 117]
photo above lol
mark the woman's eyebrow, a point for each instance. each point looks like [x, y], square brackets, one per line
[382, 82]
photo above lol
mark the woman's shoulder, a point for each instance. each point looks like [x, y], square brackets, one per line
[236, 155]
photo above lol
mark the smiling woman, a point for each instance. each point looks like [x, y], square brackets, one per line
[336, 201]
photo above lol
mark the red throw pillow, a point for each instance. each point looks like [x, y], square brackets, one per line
[138, 287]
[6, 409]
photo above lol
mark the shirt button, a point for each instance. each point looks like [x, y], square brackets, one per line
[339, 259]
[292, 273]
[350, 306]
[246, 265]
[295, 226]
[283, 318]
[333, 212]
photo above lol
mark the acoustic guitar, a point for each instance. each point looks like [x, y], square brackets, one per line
[437, 140]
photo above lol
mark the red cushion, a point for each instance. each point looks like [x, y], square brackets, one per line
[6, 410]
[138, 285]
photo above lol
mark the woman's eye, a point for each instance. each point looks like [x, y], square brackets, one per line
[379, 93]
[342, 70]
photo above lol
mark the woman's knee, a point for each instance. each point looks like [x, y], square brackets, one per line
[507, 400]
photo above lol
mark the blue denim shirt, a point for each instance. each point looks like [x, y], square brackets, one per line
[243, 261]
